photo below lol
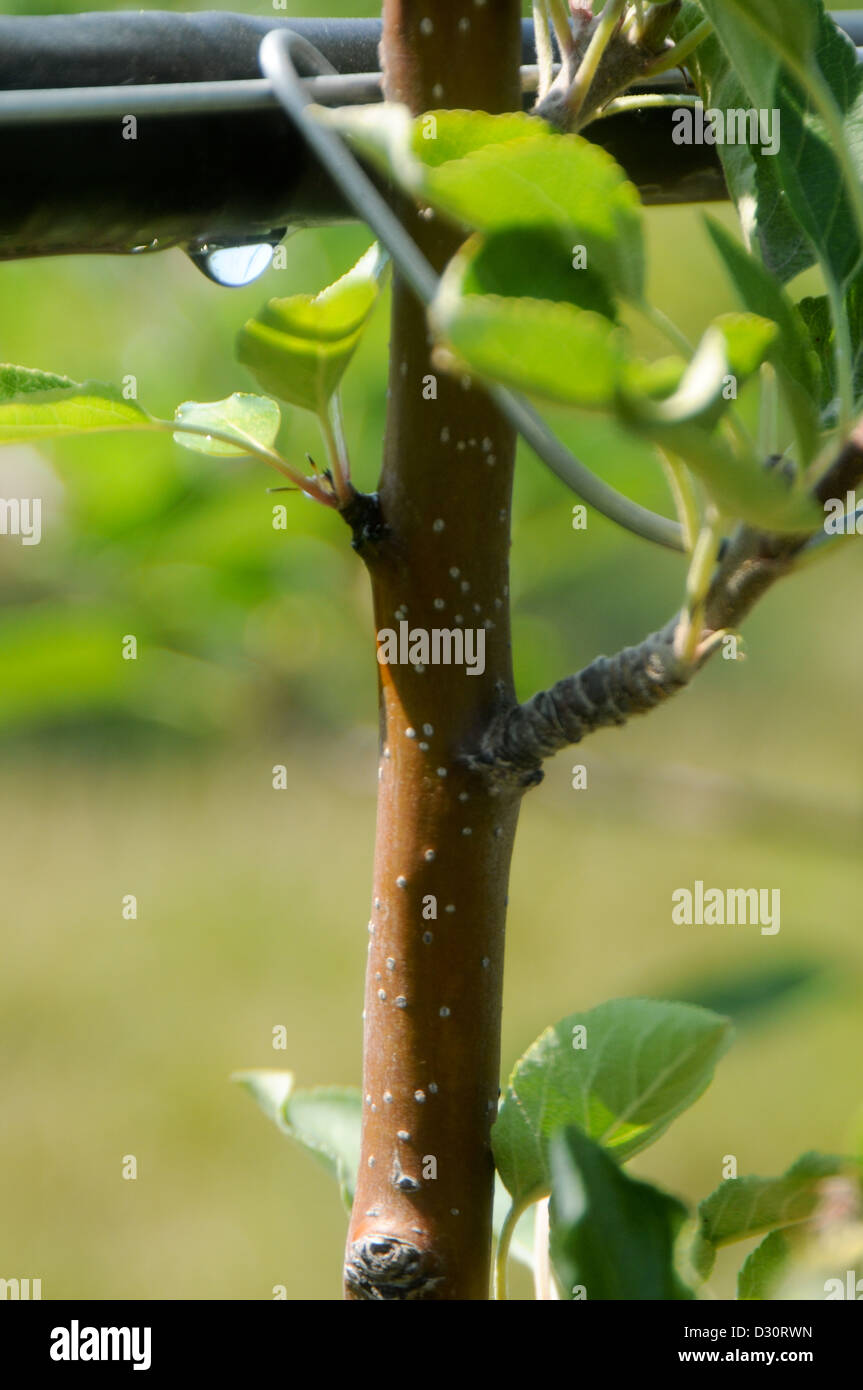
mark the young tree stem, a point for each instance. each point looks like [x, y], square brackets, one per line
[421, 1220]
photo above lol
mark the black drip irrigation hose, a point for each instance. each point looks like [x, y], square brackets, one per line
[217, 166]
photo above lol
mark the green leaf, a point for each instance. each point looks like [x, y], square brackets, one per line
[553, 350]
[733, 346]
[610, 1234]
[752, 180]
[642, 1064]
[755, 33]
[406, 146]
[326, 1121]
[476, 172]
[250, 418]
[37, 405]
[791, 352]
[739, 484]
[577, 357]
[742, 1207]
[29, 381]
[269, 1088]
[525, 262]
[796, 202]
[566, 185]
[299, 348]
[763, 1271]
[750, 996]
[812, 180]
[816, 316]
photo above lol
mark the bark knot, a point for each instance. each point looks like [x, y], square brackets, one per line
[383, 1267]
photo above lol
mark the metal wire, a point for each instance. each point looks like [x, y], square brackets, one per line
[278, 66]
[39, 106]
[42, 106]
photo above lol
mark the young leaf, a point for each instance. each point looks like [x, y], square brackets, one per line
[38, 405]
[757, 181]
[732, 348]
[475, 171]
[756, 33]
[791, 352]
[621, 1071]
[299, 348]
[552, 350]
[816, 161]
[611, 1235]
[739, 484]
[250, 418]
[818, 323]
[565, 185]
[525, 262]
[325, 1121]
[269, 1088]
[742, 1207]
[795, 200]
[405, 146]
[763, 1271]
[748, 996]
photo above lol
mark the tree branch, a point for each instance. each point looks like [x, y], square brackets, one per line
[612, 689]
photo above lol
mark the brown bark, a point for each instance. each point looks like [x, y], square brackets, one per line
[421, 1221]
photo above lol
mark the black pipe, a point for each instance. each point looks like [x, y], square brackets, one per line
[73, 186]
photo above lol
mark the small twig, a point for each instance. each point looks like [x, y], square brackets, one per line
[332, 428]
[649, 101]
[544, 47]
[704, 557]
[562, 27]
[675, 57]
[680, 484]
[609, 20]
[611, 690]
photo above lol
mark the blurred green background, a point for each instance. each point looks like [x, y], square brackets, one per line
[154, 778]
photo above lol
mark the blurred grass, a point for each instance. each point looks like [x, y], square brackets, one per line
[120, 1036]
[154, 779]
